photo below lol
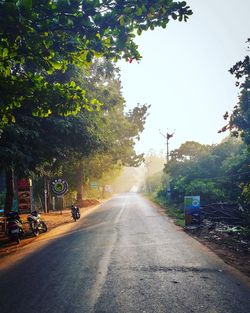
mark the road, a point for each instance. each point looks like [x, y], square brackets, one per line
[126, 256]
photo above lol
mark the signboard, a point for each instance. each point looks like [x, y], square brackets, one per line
[94, 185]
[192, 210]
[2, 192]
[24, 195]
[59, 186]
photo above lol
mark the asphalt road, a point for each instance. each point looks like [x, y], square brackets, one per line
[124, 257]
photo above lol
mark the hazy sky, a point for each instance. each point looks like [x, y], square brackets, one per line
[184, 73]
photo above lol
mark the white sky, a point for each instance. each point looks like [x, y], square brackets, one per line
[184, 73]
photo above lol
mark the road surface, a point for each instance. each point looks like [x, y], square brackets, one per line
[126, 256]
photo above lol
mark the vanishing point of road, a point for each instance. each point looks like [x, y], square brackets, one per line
[126, 256]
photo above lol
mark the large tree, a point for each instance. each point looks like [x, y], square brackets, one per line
[104, 136]
[239, 119]
[238, 122]
[41, 36]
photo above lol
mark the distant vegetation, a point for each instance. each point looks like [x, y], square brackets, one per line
[218, 173]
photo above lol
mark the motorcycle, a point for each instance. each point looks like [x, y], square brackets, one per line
[75, 212]
[14, 228]
[37, 225]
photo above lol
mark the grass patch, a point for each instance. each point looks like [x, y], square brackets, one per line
[174, 212]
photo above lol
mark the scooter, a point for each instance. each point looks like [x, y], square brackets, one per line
[14, 227]
[75, 212]
[37, 225]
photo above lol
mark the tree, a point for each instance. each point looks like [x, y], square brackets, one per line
[40, 37]
[154, 163]
[239, 120]
[190, 150]
[31, 144]
[116, 129]
[214, 172]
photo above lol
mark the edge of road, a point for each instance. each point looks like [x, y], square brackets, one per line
[52, 233]
[225, 266]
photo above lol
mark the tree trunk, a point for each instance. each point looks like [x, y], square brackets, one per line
[79, 197]
[9, 191]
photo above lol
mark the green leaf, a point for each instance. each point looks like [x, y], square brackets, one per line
[5, 52]
[56, 65]
[127, 10]
[138, 11]
[174, 16]
[27, 4]
[72, 84]
[121, 20]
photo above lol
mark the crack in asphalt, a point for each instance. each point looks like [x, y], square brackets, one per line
[165, 269]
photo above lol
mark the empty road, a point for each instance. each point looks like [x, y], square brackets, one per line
[126, 256]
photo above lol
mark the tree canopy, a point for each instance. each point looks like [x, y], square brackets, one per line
[40, 37]
[239, 120]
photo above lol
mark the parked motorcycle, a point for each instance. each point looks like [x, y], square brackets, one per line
[14, 227]
[75, 212]
[37, 225]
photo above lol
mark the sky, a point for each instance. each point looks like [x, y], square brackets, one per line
[184, 74]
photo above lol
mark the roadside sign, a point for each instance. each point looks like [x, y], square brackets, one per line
[24, 195]
[192, 210]
[59, 186]
[94, 185]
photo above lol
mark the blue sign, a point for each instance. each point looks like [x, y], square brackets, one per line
[59, 186]
[192, 210]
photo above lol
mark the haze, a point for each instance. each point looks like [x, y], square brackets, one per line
[184, 73]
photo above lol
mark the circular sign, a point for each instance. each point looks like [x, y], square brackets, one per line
[195, 202]
[59, 186]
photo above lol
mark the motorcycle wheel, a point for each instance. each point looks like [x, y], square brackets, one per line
[16, 238]
[43, 226]
[34, 229]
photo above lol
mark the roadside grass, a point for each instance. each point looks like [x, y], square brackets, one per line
[177, 213]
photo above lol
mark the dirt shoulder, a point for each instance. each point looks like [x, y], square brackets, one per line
[232, 246]
[52, 220]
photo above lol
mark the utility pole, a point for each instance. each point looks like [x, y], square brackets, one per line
[167, 137]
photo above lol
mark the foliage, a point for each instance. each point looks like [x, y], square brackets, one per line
[153, 183]
[189, 150]
[154, 163]
[32, 141]
[103, 139]
[215, 173]
[41, 37]
[239, 120]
